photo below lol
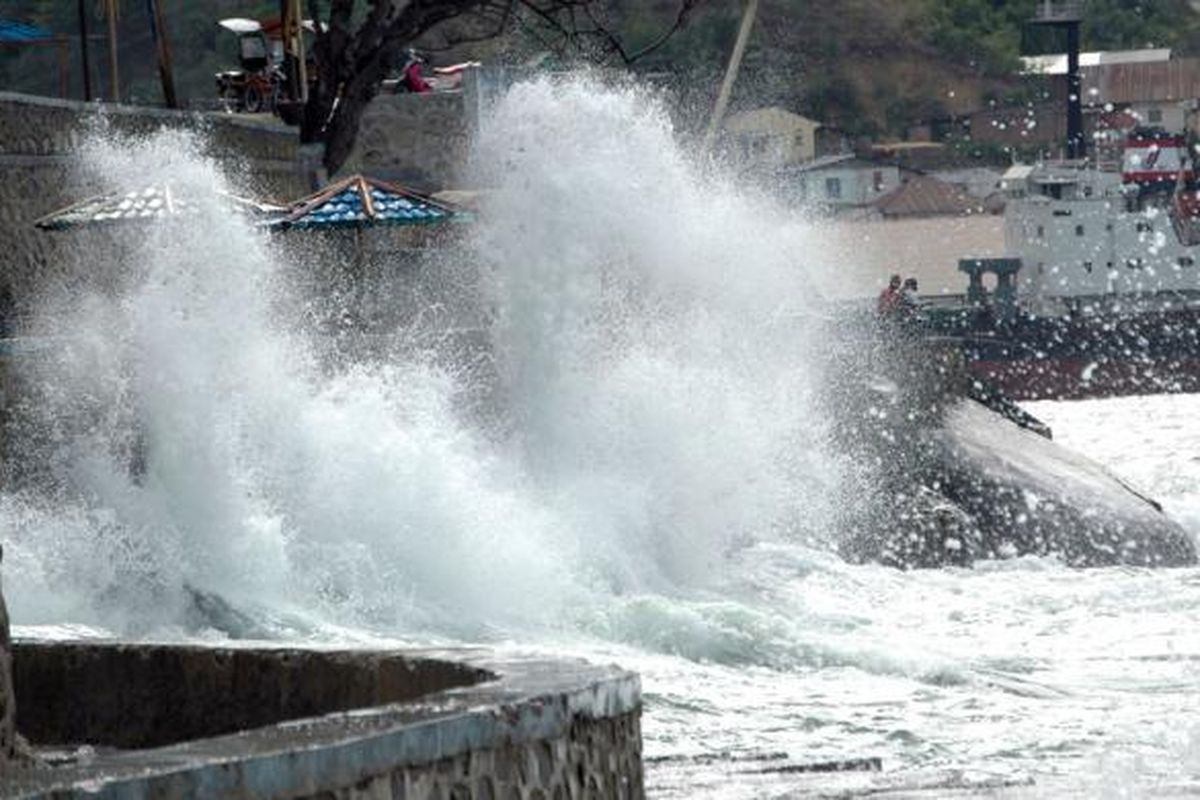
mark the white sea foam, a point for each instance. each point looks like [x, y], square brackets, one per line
[652, 331]
[657, 491]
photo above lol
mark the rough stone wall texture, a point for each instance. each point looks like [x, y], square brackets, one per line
[445, 724]
[419, 140]
[597, 760]
[40, 171]
[114, 696]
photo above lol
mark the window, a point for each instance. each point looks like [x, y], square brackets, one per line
[1041, 232]
[833, 188]
[1087, 267]
[1187, 261]
[1144, 227]
[877, 180]
[1079, 230]
[1154, 115]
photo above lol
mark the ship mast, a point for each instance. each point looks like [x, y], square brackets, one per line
[1067, 15]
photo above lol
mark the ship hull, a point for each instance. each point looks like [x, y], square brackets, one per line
[1052, 378]
[1153, 352]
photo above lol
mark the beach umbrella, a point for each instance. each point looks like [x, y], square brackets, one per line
[149, 204]
[359, 202]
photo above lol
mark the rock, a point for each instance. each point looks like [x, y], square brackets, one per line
[948, 480]
[1027, 494]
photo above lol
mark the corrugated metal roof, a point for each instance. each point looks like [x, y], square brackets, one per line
[1139, 83]
[13, 31]
[838, 159]
[361, 201]
[1017, 172]
[149, 203]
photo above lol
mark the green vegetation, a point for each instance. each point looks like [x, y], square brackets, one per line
[200, 48]
[870, 67]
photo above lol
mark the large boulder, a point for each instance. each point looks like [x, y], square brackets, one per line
[951, 473]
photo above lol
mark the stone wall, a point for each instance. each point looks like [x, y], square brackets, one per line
[451, 725]
[595, 760]
[114, 696]
[419, 140]
[41, 170]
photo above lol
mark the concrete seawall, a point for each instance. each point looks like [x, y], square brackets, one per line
[140, 721]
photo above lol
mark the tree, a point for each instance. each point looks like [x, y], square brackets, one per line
[358, 43]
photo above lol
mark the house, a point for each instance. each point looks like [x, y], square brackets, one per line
[841, 181]
[1121, 89]
[927, 196]
[769, 138]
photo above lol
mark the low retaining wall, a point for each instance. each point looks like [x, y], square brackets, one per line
[459, 725]
[41, 170]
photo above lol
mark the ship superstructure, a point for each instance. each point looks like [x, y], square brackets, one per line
[1092, 236]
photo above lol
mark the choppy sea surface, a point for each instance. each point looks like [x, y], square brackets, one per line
[1012, 672]
[645, 477]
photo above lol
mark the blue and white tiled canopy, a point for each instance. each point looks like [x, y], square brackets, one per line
[147, 204]
[362, 201]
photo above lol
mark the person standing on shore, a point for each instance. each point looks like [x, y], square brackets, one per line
[889, 299]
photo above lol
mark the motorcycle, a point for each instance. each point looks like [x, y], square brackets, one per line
[255, 87]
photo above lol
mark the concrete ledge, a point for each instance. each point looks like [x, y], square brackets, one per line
[461, 724]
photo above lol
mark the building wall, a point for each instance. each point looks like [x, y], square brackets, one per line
[772, 137]
[1171, 115]
[846, 186]
[41, 171]
[420, 140]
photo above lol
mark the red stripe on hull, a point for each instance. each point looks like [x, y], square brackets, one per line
[1063, 379]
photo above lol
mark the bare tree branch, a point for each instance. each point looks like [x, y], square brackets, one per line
[353, 60]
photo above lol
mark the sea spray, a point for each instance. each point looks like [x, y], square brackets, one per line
[652, 330]
[352, 494]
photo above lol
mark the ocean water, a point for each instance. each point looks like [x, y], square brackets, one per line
[652, 484]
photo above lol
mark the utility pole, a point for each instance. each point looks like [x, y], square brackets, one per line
[83, 51]
[158, 30]
[735, 62]
[110, 10]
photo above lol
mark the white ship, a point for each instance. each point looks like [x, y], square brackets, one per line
[1102, 237]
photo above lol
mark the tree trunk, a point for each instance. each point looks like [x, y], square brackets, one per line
[343, 130]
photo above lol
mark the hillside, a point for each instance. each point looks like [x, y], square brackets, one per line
[870, 67]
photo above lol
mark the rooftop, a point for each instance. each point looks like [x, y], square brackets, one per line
[148, 203]
[360, 200]
[926, 196]
[1056, 63]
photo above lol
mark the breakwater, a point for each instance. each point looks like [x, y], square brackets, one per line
[162, 721]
